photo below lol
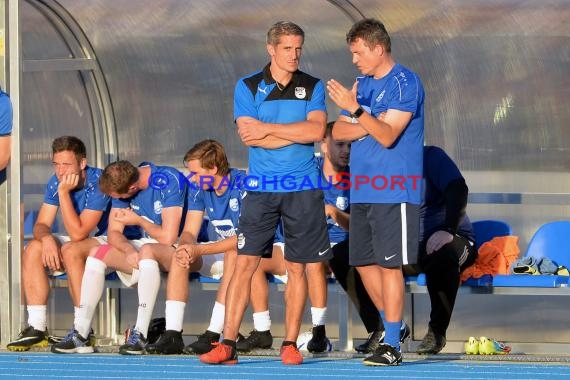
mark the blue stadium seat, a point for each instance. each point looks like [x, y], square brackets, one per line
[485, 230]
[550, 240]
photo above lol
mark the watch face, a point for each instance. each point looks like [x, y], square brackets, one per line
[358, 112]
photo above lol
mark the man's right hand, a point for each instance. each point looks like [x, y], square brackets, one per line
[331, 211]
[68, 183]
[50, 253]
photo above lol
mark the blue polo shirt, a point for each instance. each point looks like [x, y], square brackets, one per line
[439, 171]
[290, 168]
[88, 197]
[339, 196]
[5, 114]
[394, 173]
[167, 188]
[222, 210]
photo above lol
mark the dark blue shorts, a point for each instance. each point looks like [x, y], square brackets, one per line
[384, 234]
[305, 226]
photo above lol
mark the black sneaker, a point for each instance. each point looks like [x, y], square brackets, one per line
[28, 338]
[384, 355]
[53, 339]
[319, 342]
[203, 344]
[404, 332]
[377, 337]
[156, 328]
[256, 339]
[134, 344]
[371, 344]
[432, 343]
[169, 343]
[73, 343]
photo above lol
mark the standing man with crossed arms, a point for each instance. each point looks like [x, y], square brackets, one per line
[280, 113]
[383, 114]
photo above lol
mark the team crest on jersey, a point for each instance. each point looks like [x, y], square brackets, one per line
[234, 205]
[300, 92]
[341, 203]
[241, 241]
[157, 207]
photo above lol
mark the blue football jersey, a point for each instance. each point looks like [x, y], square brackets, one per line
[88, 197]
[167, 188]
[339, 196]
[222, 210]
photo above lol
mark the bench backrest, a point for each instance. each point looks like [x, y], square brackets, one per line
[551, 240]
[485, 230]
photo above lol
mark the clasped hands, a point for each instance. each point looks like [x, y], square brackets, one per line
[186, 255]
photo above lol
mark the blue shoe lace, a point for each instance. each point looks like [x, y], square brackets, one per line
[134, 337]
[69, 336]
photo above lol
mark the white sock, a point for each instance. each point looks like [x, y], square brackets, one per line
[217, 320]
[149, 283]
[37, 317]
[174, 315]
[75, 312]
[262, 321]
[92, 287]
[319, 315]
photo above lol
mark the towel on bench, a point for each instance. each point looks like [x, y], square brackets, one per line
[495, 257]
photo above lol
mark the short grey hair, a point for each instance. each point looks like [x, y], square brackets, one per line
[283, 28]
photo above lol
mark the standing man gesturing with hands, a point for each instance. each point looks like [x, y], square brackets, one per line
[383, 114]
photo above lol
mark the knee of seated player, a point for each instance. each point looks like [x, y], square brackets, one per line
[72, 251]
[440, 261]
[32, 254]
[146, 252]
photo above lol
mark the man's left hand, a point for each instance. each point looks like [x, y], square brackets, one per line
[438, 240]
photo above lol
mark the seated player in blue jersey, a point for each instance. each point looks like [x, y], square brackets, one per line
[153, 199]
[5, 129]
[218, 194]
[73, 189]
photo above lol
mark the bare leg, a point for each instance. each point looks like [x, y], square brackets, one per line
[238, 292]
[295, 299]
[34, 276]
[388, 293]
[260, 289]
[230, 259]
[317, 284]
[74, 256]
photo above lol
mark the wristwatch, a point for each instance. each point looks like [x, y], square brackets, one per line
[357, 113]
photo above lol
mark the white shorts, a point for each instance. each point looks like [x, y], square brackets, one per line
[130, 279]
[66, 239]
[213, 266]
[281, 277]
